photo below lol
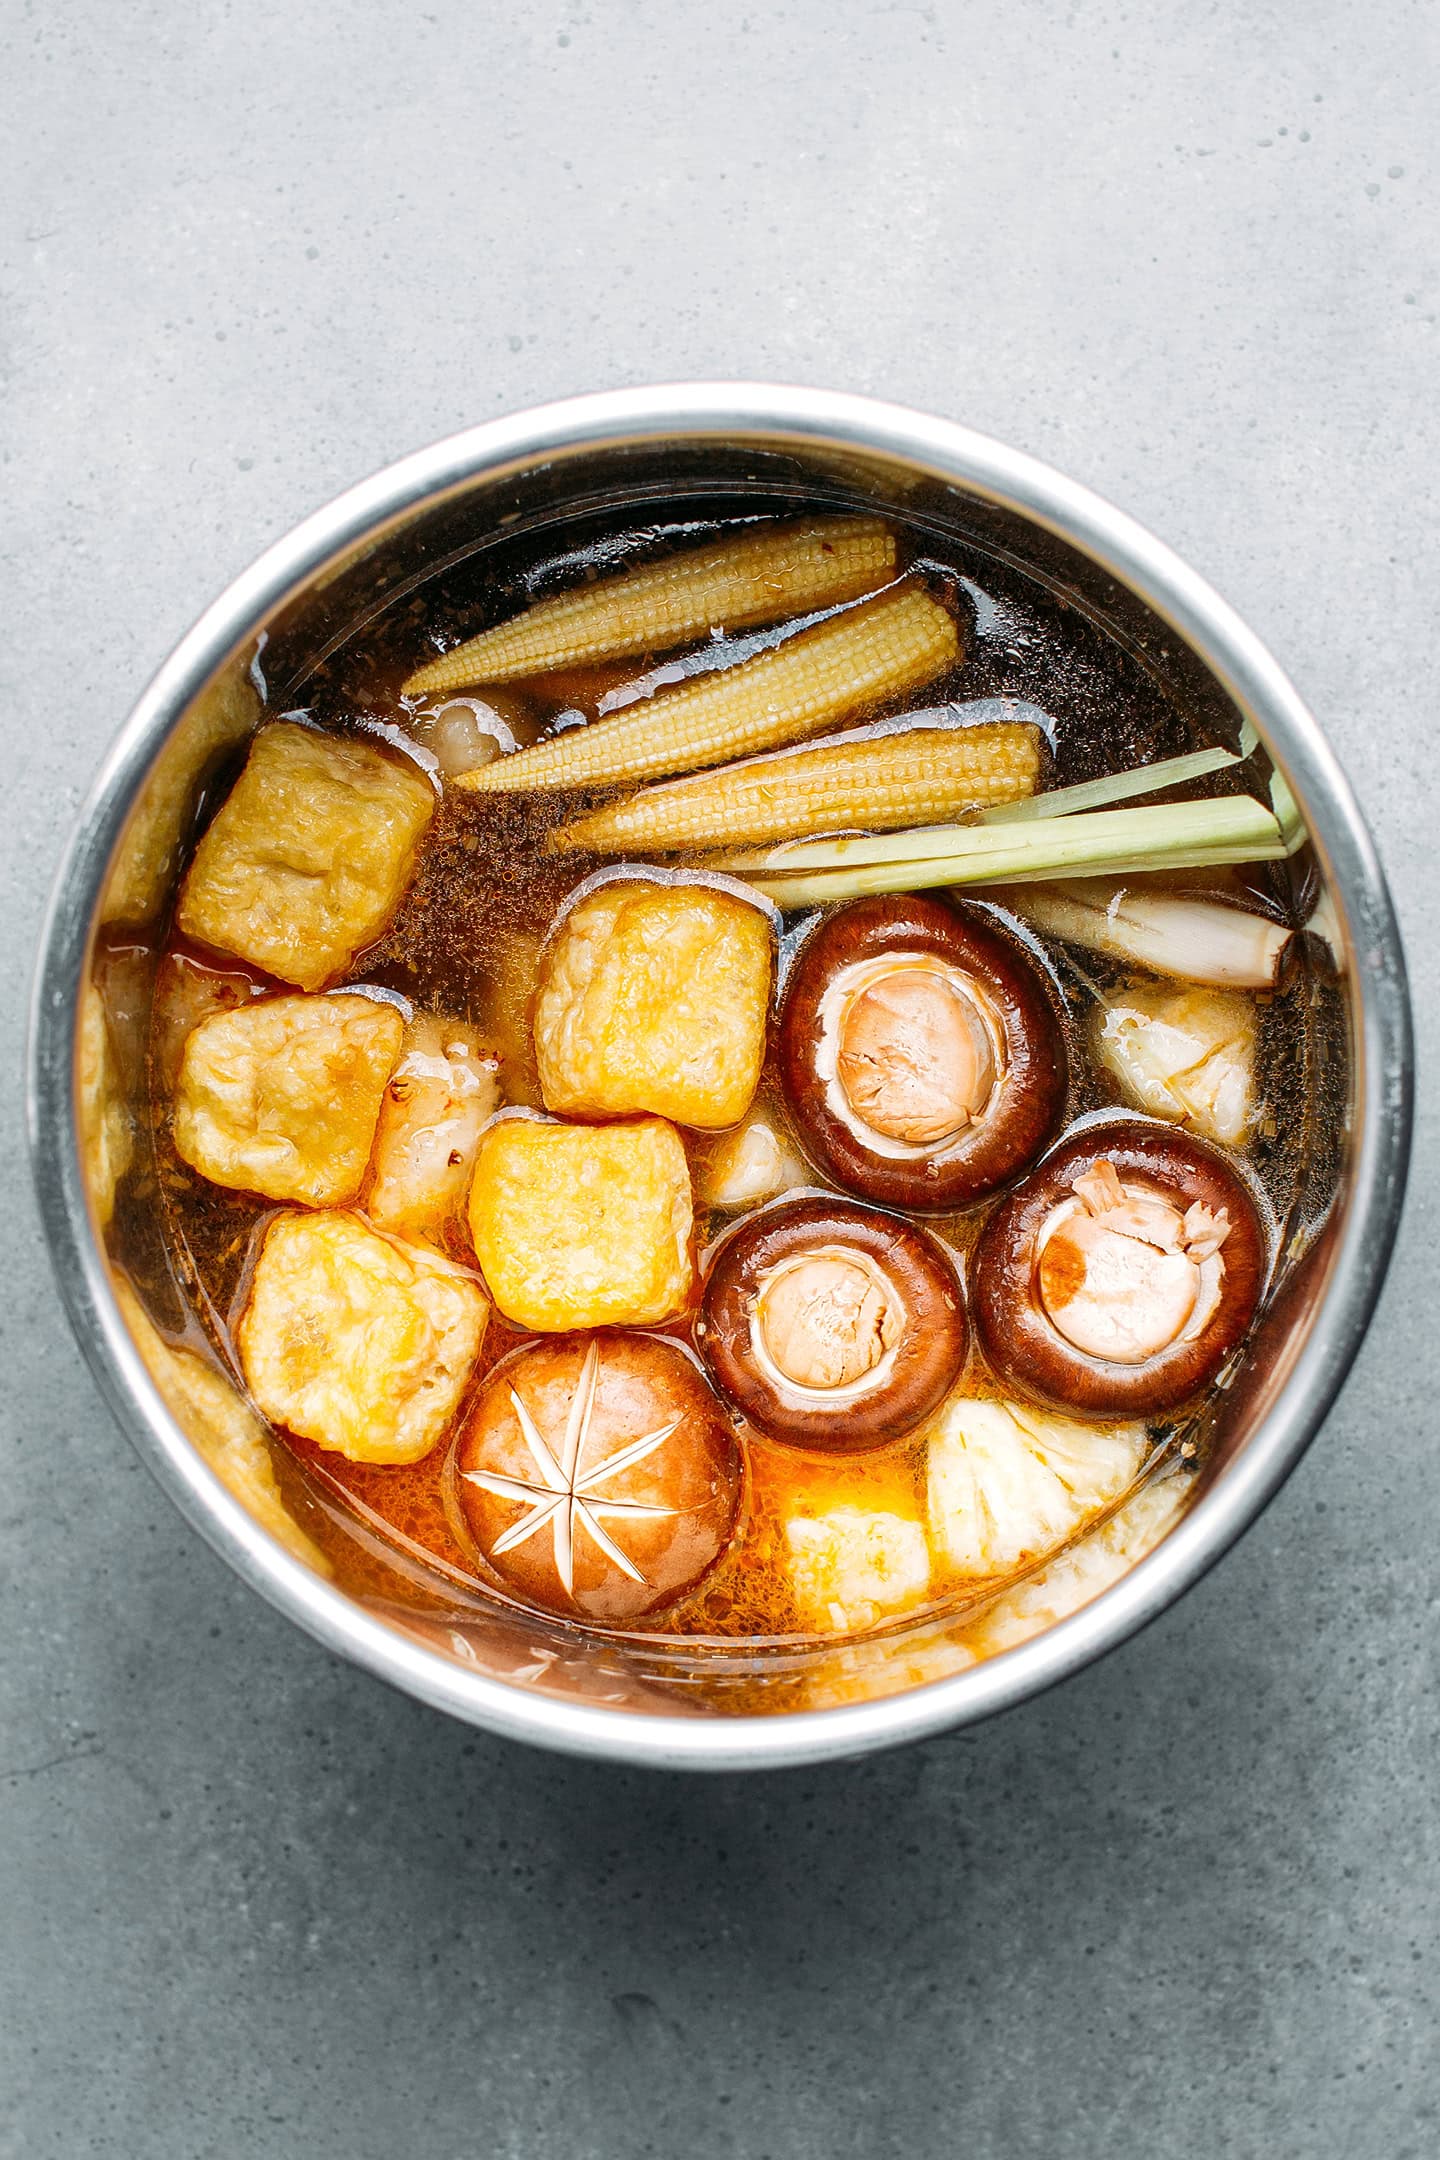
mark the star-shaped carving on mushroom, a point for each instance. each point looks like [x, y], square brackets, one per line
[563, 1496]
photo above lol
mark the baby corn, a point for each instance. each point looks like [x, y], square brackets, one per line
[845, 665]
[740, 583]
[877, 781]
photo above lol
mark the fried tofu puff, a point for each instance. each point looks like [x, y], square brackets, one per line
[357, 1341]
[307, 858]
[655, 997]
[439, 1097]
[281, 1097]
[580, 1226]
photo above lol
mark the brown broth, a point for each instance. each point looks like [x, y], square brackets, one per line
[466, 940]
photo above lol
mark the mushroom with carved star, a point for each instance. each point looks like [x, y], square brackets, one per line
[1121, 1274]
[921, 1056]
[832, 1326]
[598, 1475]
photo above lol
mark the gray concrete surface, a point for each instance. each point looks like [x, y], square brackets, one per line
[255, 1904]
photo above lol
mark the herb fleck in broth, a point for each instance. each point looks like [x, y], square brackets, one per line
[809, 1541]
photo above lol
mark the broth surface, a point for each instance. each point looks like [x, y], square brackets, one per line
[466, 942]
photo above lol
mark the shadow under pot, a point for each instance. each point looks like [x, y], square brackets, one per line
[1121, 1274]
[830, 1326]
[921, 1056]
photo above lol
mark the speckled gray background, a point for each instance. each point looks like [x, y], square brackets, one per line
[255, 1904]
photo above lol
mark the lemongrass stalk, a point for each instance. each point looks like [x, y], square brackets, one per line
[1113, 787]
[1200, 941]
[1287, 814]
[928, 840]
[824, 887]
[1159, 836]
[914, 844]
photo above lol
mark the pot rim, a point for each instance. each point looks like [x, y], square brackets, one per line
[804, 418]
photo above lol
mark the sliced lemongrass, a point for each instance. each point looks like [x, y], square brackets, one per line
[1112, 787]
[1159, 836]
[1199, 941]
[789, 893]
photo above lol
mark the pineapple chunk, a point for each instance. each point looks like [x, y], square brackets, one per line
[1080, 1574]
[852, 1566]
[1007, 1482]
[583, 1225]
[654, 997]
[1183, 1054]
[308, 856]
[281, 1097]
[357, 1341]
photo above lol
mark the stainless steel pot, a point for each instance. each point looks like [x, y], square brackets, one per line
[370, 550]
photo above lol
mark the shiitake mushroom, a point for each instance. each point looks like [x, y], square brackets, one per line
[1121, 1273]
[598, 1474]
[832, 1326]
[922, 1058]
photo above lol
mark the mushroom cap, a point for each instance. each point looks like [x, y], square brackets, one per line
[921, 1055]
[624, 1466]
[1106, 1282]
[915, 1057]
[832, 1326]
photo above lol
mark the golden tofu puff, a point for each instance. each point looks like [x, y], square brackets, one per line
[1007, 1483]
[1183, 1054]
[308, 857]
[654, 996]
[356, 1340]
[579, 1226]
[437, 1101]
[282, 1097]
[1082, 1573]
